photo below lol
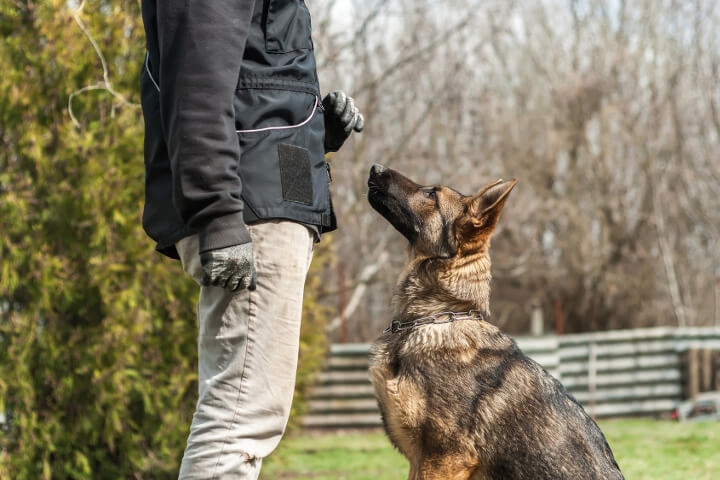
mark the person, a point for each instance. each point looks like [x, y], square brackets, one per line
[237, 188]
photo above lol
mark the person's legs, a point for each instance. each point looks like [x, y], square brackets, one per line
[248, 349]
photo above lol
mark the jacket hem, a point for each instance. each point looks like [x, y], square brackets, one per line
[166, 245]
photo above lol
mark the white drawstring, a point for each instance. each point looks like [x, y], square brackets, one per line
[147, 68]
[266, 129]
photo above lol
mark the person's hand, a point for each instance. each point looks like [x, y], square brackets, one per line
[230, 267]
[341, 118]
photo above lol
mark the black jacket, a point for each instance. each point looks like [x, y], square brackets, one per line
[233, 121]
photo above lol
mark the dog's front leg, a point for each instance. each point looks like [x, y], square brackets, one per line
[414, 473]
[445, 468]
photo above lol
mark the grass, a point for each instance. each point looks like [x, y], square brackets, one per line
[351, 456]
[650, 449]
[644, 449]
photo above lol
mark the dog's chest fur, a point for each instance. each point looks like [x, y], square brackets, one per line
[424, 381]
[465, 395]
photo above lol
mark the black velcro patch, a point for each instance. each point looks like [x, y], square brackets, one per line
[295, 174]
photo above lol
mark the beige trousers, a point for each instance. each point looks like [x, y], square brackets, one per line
[247, 355]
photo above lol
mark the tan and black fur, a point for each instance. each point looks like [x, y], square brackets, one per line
[460, 400]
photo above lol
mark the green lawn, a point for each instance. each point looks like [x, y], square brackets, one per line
[645, 449]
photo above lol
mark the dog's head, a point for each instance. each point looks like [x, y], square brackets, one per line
[438, 221]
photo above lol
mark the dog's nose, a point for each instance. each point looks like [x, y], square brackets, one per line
[377, 169]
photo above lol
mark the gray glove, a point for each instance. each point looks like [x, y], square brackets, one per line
[230, 267]
[341, 118]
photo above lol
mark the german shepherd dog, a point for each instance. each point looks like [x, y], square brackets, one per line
[458, 397]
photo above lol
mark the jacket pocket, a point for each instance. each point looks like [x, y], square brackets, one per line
[282, 164]
[287, 26]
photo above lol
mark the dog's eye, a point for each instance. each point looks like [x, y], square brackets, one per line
[430, 194]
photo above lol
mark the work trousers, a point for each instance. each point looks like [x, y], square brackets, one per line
[247, 355]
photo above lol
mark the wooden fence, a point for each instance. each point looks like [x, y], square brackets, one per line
[624, 372]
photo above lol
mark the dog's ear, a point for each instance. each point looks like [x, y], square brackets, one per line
[485, 207]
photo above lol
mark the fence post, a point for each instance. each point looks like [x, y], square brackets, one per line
[592, 375]
[341, 301]
[536, 320]
[558, 318]
[717, 302]
[692, 370]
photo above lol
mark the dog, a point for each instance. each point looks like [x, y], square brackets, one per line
[458, 397]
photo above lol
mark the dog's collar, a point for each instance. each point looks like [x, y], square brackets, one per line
[442, 317]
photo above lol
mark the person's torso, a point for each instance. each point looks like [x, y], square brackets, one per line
[278, 115]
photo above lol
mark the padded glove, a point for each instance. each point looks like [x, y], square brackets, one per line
[230, 267]
[341, 118]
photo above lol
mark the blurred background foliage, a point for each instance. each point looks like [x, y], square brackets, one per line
[608, 113]
[97, 331]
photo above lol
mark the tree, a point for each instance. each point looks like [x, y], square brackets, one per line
[97, 331]
[607, 112]
[97, 347]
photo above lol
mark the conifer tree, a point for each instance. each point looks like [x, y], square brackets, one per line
[97, 331]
